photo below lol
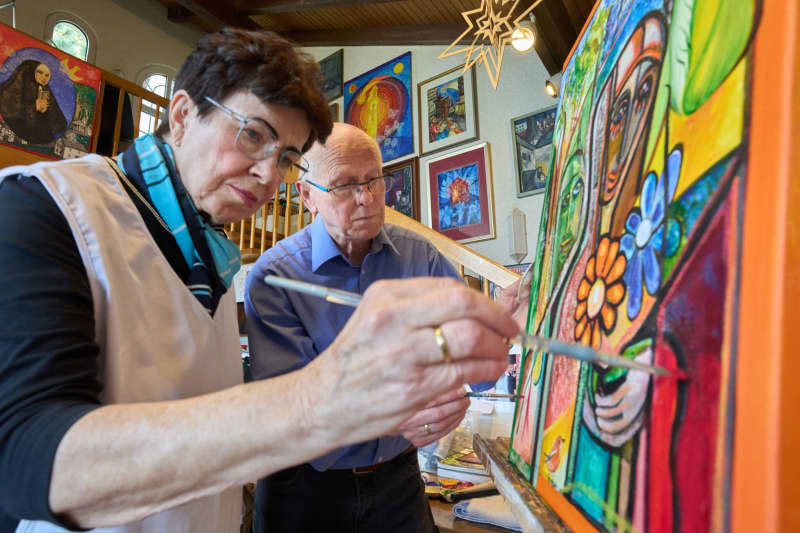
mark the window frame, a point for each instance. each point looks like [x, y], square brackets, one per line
[65, 16]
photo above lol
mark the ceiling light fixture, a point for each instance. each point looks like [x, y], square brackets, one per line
[523, 37]
[493, 23]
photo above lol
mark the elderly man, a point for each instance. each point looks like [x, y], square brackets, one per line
[375, 485]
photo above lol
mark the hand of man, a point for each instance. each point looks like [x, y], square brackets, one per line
[386, 364]
[437, 419]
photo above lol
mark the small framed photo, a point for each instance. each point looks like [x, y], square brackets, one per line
[532, 139]
[403, 194]
[331, 68]
[448, 110]
[460, 189]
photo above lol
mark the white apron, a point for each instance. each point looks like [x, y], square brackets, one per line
[157, 342]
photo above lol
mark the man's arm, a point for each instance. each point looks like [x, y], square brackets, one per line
[278, 340]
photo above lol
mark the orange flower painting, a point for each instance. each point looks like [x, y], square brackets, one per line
[600, 292]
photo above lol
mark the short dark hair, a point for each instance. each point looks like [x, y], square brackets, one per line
[261, 62]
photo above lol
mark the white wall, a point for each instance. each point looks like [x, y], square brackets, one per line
[520, 91]
[130, 33]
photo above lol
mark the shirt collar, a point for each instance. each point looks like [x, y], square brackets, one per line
[323, 247]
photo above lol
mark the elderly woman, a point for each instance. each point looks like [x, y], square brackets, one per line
[121, 402]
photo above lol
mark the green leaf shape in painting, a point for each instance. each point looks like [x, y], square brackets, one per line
[706, 40]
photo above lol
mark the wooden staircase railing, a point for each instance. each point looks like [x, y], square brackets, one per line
[285, 215]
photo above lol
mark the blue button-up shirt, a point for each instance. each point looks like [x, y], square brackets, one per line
[288, 329]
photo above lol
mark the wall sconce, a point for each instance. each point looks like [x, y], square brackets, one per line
[523, 37]
[551, 88]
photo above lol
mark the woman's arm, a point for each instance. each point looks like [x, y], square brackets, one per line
[121, 463]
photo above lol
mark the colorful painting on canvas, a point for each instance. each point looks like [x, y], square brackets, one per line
[379, 102]
[638, 254]
[47, 97]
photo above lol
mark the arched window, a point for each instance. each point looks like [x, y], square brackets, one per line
[160, 82]
[71, 34]
[71, 39]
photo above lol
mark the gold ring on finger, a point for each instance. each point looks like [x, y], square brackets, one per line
[442, 344]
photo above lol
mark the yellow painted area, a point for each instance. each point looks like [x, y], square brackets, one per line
[351, 88]
[398, 68]
[712, 131]
[561, 427]
[71, 72]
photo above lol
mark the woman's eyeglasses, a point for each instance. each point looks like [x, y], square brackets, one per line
[257, 140]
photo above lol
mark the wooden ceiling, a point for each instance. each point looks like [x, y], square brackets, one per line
[380, 22]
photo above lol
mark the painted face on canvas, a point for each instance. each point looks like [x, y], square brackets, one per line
[634, 85]
[42, 74]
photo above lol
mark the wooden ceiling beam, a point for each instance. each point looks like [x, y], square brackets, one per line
[211, 11]
[433, 34]
[270, 7]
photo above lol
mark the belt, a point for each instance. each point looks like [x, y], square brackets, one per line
[371, 468]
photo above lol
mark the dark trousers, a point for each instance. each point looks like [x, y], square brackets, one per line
[388, 499]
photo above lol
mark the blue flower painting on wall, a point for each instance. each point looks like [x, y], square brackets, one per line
[459, 199]
[461, 194]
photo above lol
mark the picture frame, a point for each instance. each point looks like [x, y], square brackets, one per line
[334, 109]
[461, 195]
[447, 98]
[379, 102]
[332, 68]
[403, 194]
[532, 142]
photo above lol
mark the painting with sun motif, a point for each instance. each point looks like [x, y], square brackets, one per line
[379, 102]
[460, 189]
[48, 98]
[638, 255]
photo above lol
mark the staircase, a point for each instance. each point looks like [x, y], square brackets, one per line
[285, 215]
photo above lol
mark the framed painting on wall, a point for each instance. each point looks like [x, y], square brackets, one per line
[460, 192]
[48, 98]
[332, 68]
[403, 194]
[532, 138]
[379, 102]
[448, 110]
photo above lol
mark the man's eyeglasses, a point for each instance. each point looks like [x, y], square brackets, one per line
[374, 185]
[257, 140]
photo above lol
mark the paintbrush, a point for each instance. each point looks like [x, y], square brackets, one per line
[533, 342]
[492, 395]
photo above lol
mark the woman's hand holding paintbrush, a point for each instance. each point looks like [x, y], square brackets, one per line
[533, 342]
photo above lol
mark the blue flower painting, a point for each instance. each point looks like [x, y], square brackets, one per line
[459, 197]
[643, 240]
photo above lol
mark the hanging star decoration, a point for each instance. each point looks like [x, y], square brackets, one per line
[494, 22]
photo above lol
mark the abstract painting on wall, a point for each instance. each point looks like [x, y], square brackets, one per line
[379, 102]
[47, 97]
[460, 192]
[532, 136]
[638, 254]
[448, 112]
[403, 194]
